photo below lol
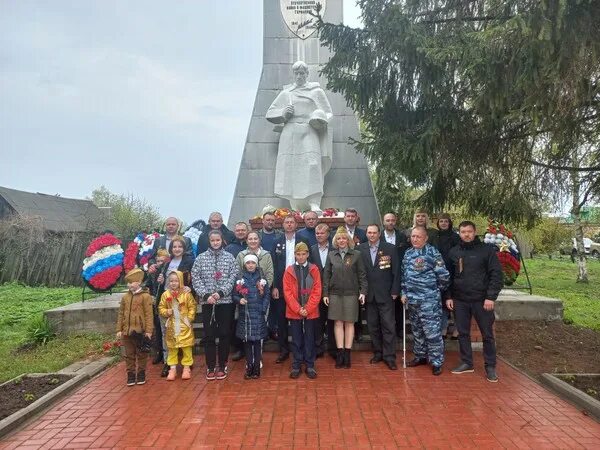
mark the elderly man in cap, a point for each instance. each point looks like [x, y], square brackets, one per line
[302, 292]
[424, 278]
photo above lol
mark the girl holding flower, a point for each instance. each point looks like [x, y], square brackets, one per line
[178, 306]
[213, 277]
[251, 293]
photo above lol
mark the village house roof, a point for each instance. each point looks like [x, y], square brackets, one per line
[56, 213]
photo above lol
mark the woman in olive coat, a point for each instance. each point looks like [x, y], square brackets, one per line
[344, 287]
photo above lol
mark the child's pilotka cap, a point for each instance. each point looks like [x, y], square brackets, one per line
[162, 252]
[301, 247]
[134, 275]
[250, 257]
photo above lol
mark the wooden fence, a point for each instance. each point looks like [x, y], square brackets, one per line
[34, 256]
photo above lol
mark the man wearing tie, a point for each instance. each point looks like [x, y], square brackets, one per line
[351, 219]
[318, 256]
[358, 236]
[283, 257]
[397, 238]
[383, 277]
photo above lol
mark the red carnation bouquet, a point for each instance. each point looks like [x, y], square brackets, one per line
[241, 289]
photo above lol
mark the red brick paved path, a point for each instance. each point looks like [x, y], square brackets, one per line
[366, 406]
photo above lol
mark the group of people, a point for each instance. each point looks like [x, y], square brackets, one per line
[311, 283]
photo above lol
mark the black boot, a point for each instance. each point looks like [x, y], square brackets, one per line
[347, 362]
[256, 372]
[249, 371]
[339, 358]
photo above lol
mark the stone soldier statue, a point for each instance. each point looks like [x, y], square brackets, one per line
[302, 114]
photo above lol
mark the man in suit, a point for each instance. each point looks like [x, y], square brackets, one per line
[283, 256]
[383, 277]
[171, 227]
[359, 236]
[318, 256]
[397, 238]
[351, 220]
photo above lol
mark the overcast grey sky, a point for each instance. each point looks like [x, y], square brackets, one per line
[109, 92]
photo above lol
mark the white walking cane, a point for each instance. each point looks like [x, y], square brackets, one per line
[404, 335]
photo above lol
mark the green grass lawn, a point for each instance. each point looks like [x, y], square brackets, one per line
[21, 304]
[557, 278]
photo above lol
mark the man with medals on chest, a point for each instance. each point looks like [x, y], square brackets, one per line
[383, 276]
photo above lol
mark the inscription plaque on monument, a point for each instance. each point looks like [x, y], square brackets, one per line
[297, 15]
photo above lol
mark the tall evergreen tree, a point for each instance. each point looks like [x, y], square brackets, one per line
[479, 103]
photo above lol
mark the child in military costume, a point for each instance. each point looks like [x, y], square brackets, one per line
[135, 325]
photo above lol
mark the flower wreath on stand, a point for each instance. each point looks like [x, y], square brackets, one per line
[131, 255]
[103, 264]
[145, 243]
[508, 253]
[194, 231]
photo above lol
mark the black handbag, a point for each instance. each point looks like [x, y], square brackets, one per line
[142, 342]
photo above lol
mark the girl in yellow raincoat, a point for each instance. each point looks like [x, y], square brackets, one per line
[179, 308]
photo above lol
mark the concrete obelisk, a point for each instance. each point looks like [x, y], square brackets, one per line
[286, 40]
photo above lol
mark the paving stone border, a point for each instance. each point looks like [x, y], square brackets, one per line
[572, 394]
[82, 372]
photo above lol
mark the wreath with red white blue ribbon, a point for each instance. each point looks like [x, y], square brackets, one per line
[103, 264]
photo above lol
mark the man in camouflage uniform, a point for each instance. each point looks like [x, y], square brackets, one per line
[424, 276]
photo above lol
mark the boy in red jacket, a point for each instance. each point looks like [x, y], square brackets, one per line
[302, 293]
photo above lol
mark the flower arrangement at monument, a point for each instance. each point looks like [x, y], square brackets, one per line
[282, 213]
[103, 264]
[508, 253]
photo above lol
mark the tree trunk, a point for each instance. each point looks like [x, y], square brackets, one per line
[582, 273]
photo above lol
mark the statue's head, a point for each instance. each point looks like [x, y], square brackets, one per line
[300, 69]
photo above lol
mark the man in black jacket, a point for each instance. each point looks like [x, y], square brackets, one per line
[238, 244]
[383, 277]
[476, 282]
[283, 256]
[318, 256]
[215, 222]
[397, 238]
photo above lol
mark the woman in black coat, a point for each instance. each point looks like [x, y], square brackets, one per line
[182, 261]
